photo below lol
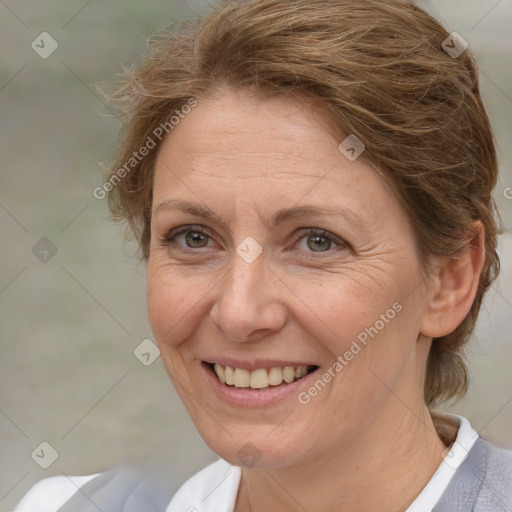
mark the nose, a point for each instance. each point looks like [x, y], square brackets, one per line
[248, 307]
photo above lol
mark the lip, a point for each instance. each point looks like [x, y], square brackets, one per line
[247, 397]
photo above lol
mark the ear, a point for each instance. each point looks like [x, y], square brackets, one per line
[454, 287]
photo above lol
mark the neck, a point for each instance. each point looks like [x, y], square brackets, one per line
[381, 468]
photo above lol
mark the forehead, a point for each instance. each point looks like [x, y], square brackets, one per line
[236, 124]
[261, 150]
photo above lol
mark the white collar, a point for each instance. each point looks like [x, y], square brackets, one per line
[457, 454]
[213, 489]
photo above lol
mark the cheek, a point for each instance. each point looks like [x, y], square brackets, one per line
[174, 304]
[366, 330]
[340, 309]
[375, 343]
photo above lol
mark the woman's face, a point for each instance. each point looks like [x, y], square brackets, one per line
[270, 249]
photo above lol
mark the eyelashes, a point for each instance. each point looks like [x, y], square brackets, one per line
[197, 238]
[307, 233]
[173, 234]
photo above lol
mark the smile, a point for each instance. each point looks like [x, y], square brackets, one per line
[261, 378]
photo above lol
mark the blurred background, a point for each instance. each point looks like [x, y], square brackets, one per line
[72, 296]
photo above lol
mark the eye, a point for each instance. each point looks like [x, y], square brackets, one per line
[191, 237]
[310, 240]
[317, 241]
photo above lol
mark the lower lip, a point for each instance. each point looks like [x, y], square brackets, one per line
[247, 397]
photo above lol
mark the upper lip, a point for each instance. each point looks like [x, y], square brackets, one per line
[256, 364]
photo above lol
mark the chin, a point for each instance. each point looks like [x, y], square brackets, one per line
[252, 448]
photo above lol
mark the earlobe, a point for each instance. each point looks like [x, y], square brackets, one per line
[455, 286]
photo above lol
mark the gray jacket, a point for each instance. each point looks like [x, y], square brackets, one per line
[483, 483]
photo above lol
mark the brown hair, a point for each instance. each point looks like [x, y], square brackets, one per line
[380, 70]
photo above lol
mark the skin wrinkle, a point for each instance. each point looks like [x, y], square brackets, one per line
[285, 214]
[286, 303]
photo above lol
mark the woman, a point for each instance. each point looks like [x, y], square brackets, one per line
[310, 184]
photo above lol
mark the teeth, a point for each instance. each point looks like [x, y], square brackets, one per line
[258, 379]
[275, 376]
[300, 372]
[242, 378]
[229, 375]
[221, 373]
[289, 374]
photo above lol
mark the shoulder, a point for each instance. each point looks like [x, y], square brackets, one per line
[113, 490]
[213, 489]
[50, 494]
[496, 491]
[482, 483]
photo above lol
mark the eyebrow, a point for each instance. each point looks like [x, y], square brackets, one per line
[283, 215]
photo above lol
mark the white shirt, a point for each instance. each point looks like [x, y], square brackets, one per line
[215, 488]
